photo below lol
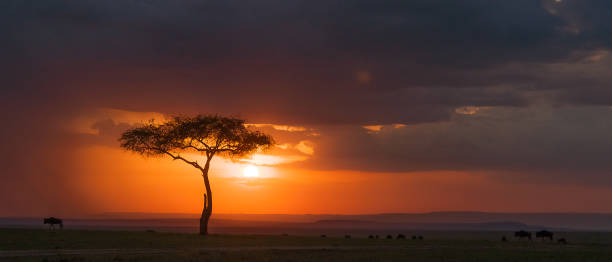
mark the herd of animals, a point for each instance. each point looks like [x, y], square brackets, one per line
[399, 236]
[543, 234]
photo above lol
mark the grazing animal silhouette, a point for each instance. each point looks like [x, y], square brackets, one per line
[414, 237]
[389, 237]
[323, 235]
[504, 239]
[420, 237]
[371, 237]
[347, 236]
[400, 236]
[562, 241]
[521, 234]
[52, 221]
[544, 234]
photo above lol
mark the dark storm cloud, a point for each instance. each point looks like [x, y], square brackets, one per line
[558, 144]
[334, 64]
[303, 56]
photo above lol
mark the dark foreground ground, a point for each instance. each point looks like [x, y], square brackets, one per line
[83, 245]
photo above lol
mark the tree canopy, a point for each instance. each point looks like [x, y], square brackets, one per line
[210, 135]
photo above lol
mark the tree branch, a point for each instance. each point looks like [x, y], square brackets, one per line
[194, 147]
[175, 157]
[203, 143]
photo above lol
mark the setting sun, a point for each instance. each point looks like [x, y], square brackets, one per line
[250, 171]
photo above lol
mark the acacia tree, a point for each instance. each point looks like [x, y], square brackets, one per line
[205, 135]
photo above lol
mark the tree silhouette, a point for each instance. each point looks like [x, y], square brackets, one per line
[205, 135]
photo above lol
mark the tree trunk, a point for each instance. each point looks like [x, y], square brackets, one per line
[207, 209]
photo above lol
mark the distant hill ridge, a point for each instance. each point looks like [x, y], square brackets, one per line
[579, 221]
[337, 221]
[573, 221]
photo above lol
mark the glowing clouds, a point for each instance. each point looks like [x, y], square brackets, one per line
[374, 128]
[271, 160]
[280, 127]
[377, 128]
[597, 56]
[305, 147]
[467, 110]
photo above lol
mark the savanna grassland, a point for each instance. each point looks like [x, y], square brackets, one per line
[86, 245]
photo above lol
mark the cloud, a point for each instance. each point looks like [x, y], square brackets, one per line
[374, 128]
[281, 127]
[467, 110]
[90, 122]
[304, 63]
[534, 144]
[271, 160]
[305, 147]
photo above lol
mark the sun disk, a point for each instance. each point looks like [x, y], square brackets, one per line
[250, 171]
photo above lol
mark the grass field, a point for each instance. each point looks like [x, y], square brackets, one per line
[83, 245]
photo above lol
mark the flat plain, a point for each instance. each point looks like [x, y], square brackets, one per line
[92, 245]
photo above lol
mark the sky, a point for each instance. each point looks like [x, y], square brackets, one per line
[377, 106]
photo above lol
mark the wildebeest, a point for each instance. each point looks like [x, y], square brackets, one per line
[414, 237]
[544, 234]
[504, 239]
[420, 237]
[562, 241]
[521, 234]
[371, 237]
[347, 236]
[52, 221]
[400, 236]
[323, 235]
[389, 237]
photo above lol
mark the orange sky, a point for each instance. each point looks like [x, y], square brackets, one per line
[116, 181]
[85, 172]
[105, 178]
